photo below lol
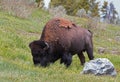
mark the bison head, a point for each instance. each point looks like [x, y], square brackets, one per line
[39, 50]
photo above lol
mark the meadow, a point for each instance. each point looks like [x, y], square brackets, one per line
[16, 61]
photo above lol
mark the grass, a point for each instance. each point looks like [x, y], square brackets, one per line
[16, 61]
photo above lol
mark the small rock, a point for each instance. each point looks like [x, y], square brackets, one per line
[101, 50]
[117, 38]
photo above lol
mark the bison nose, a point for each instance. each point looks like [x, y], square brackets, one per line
[36, 62]
[44, 63]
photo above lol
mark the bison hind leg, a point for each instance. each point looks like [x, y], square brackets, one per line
[82, 58]
[89, 51]
[66, 59]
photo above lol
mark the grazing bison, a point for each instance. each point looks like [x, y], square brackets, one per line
[61, 39]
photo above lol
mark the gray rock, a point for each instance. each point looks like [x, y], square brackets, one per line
[99, 66]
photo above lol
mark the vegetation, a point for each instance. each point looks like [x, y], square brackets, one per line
[109, 12]
[104, 9]
[40, 3]
[94, 8]
[73, 6]
[16, 61]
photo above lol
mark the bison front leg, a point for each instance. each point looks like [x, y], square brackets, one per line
[82, 58]
[66, 59]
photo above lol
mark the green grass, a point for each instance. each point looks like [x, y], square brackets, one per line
[16, 61]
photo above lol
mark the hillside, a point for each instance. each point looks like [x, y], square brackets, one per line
[16, 61]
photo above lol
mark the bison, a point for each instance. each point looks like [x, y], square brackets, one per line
[61, 39]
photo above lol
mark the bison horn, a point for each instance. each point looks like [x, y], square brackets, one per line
[47, 46]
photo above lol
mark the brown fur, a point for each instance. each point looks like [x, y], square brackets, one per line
[53, 26]
[65, 23]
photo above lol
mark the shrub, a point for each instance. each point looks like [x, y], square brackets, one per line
[19, 8]
[81, 13]
[57, 11]
[93, 22]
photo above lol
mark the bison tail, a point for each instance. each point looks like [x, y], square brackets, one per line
[90, 32]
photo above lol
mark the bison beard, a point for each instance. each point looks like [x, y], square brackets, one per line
[61, 39]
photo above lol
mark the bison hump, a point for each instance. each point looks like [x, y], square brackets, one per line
[64, 23]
